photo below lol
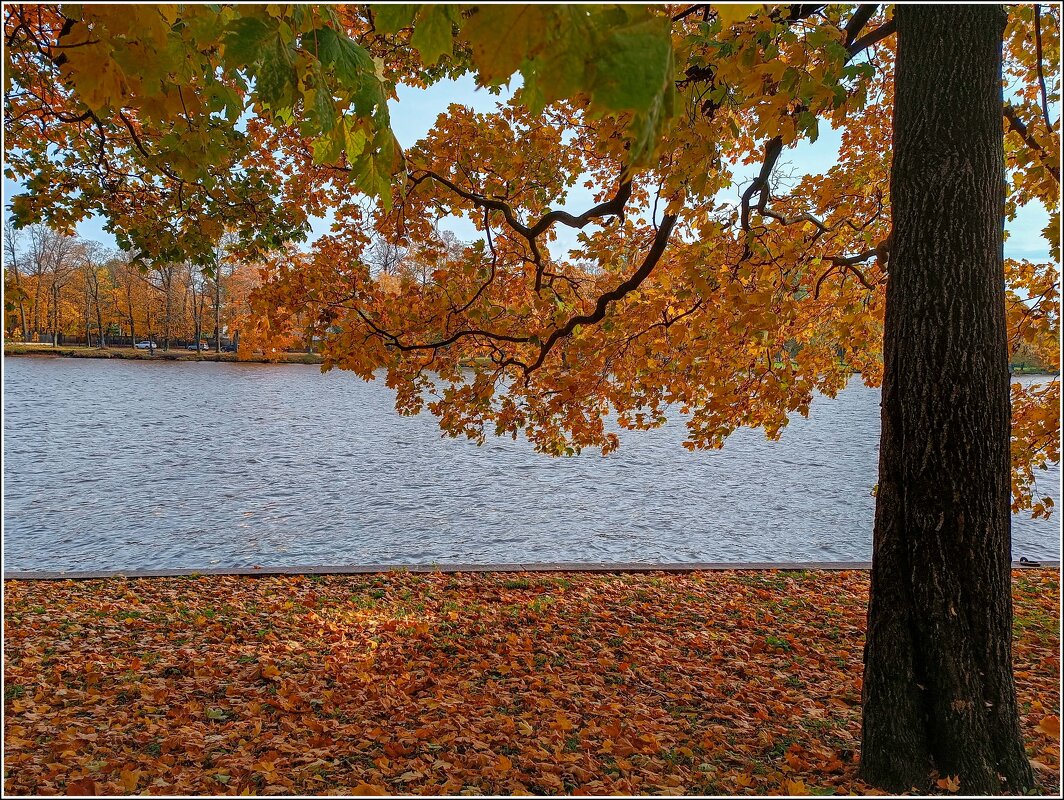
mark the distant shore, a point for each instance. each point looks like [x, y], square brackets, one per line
[181, 354]
[129, 353]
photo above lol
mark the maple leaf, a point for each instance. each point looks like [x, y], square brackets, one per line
[951, 783]
[369, 790]
[1050, 726]
[129, 778]
[731, 13]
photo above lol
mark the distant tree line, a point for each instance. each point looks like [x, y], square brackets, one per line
[58, 286]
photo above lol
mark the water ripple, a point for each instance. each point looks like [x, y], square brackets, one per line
[123, 465]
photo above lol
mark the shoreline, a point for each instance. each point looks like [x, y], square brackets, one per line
[130, 354]
[617, 568]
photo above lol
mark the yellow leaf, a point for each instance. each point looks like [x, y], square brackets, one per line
[796, 787]
[730, 13]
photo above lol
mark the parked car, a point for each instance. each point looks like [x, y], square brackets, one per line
[202, 346]
[228, 348]
[145, 345]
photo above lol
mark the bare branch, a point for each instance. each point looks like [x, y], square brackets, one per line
[614, 207]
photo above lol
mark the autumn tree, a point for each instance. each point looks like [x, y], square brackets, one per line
[95, 276]
[938, 687]
[15, 294]
[683, 287]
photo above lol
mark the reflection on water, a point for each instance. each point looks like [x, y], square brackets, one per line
[119, 464]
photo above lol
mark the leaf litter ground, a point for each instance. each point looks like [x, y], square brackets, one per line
[488, 683]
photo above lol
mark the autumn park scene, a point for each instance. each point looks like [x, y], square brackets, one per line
[531, 399]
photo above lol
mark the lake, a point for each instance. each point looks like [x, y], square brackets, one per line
[132, 464]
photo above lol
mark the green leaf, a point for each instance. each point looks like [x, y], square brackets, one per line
[350, 62]
[633, 70]
[322, 109]
[245, 40]
[434, 33]
[354, 141]
[392, 18]
[275, 77]
[327, 149]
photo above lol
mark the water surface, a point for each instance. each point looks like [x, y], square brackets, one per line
[132, 464]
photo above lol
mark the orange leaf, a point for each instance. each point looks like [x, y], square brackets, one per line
[85, 787]
[369, 790]
[129, 778]
[1050, 726]
[950, 783]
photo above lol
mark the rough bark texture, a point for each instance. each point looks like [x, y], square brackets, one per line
[938, 688]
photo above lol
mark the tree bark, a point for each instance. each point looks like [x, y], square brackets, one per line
[99, 316]
[218, 306]
[132, 322]
[21, 307]
[938, 688]
[88, 316]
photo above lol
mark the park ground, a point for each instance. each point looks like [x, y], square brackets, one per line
[744, 682]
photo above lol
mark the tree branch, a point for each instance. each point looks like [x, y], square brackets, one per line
[650, 261]
[870, 38]
[860, 18]
[688, 12]
[1018, 126]
[1038, 62]
[657, 248]
[614, 207]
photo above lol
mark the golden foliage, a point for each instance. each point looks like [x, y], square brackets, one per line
[704, 683]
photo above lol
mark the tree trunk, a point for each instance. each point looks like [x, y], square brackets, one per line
[55, 315]
[167, 320]
[218, 308]
[99, 319]
[21, 305]
[938, 687]
[132, 323]
[88, 317]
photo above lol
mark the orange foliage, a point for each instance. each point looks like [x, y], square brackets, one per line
[437, 684]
